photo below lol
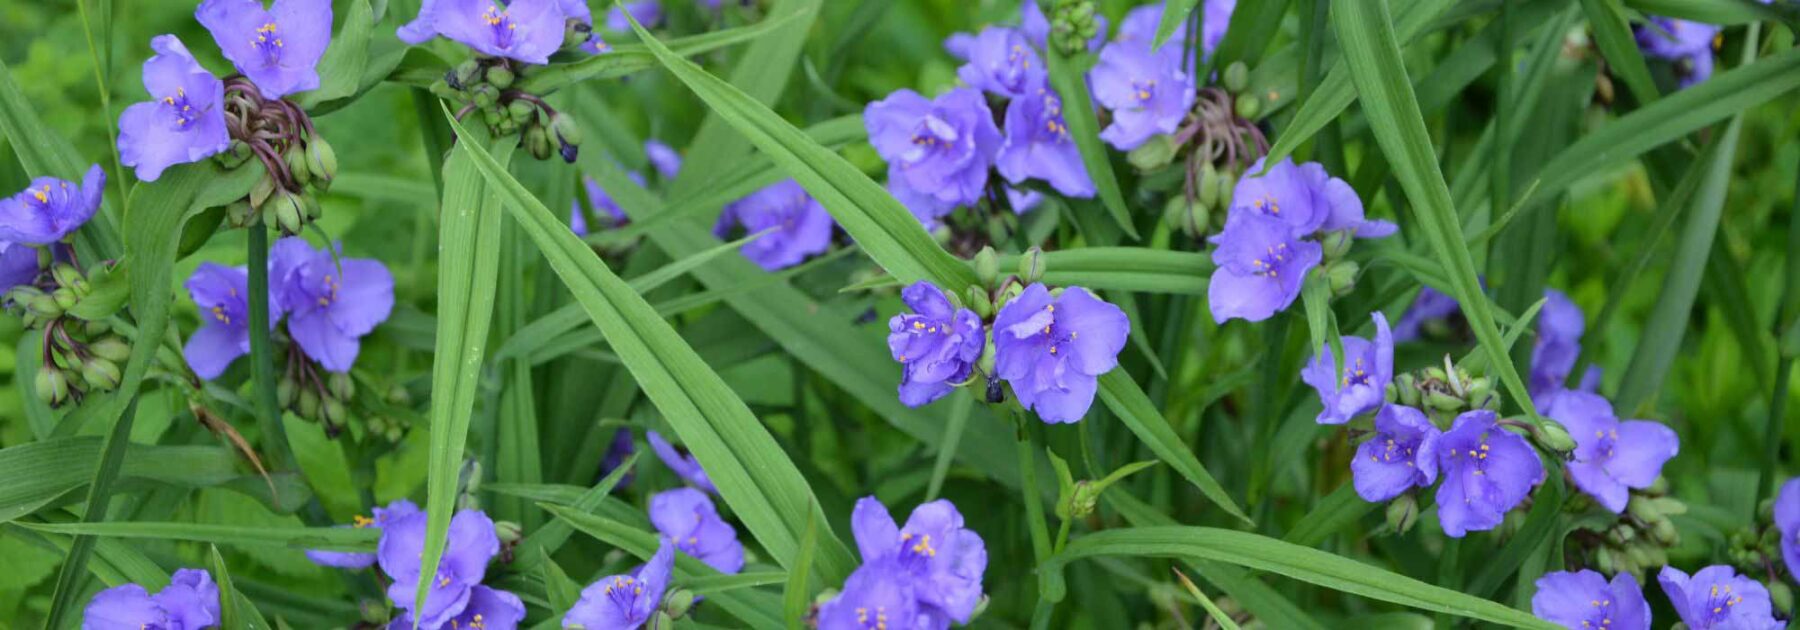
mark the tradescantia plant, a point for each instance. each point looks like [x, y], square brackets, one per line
[1396, 313]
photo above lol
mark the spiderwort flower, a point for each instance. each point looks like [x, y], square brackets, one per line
[1306, 198]
[1261, 267]
[18, 265]
[1430, 305]
[400, 508]
[330, 303]
[1368, 368]
[1558, 344]
[1148, 93]
[278, 48]
[191, 600]
[938, 151]
[647, 12]
[663, 158]
[222, 294]
[1787, 521]
[1611, 456]
[607, 210]
[877, 595]
[1401, 455]
[1052, 349]
[685, 465]
[1487, 471]
[792, 224]
[1717, 598]
[937, 344]
[470, 544]
[1140, 25]
[1584, 600]
[616, 452]
[626, 601]
[522, 30]
[488, 609]
[1038, 145]
[1000, 62]
[51, 209]
[687, 519]
[942, 561]
[186, 120]
[1687, 44]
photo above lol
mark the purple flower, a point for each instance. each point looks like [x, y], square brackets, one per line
[278, 48]
[470, 545]
[1036, 27]
[936, 345]
[616, 452]
[488, 609]
[1611, 456]
[1560, 326]
[1052, 349]
[1368, 368]
[400, 508]
[1038, 146]
[1023, 201]
[1401, 455]
[627, 601]
[1787, 521]
[878, 595]
[1430, 305]
[938, 151]
[663, 158]
[222, 294]
[1261, 267]
[1305, 197]
[1584, 600]
[793, 226]
[50, 209]
[647, 12]
[1487, 471]
[18, 265]
[934, 554]
[523, 30]
[330, 303]
[1000, 62]
[1687, 44]
[602, 202]
[1717, 598]
[186, 120]
[1148, 93]
[687, 519]
[191, 600]
[679, 460]
[1141, 23]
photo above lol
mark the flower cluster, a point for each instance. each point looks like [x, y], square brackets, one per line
[1715, 598]
[924, 575]
[456, 597]
[191, 600]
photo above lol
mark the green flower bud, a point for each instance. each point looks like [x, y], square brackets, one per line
[240, 214]
[678, 602]
[1237, 77]
[260, 193]
[307, 405]
[288, 210]
[397, 395]
[1084, 499]
[466, 74]
[111, 348]
[314, 211]
[1210, 185]
[341, 385]
[286, 390]
[485, 96]
[1640, 556]
[1342, 276]
[1248, 106]
[1227, 189]
[500, 77]
[1403, 513]
[442, 89]
[1153, 154]
[1337, 243]
[1406, 389]
[321, 160]
[987, 266]
[65, 298]
[1669, 506]
[296, 164]
[1442, 401]
[100, 374]
[986, 361]
[235, 156]
[978, 301]
[1665, 533]
[1031, 266]
[1603, 560]
[538, 143]
[508, 532]
[334, 411]
[52, 386]
[1782, 596]
[521, 112]
[565, 129]
[1621, 534]
[1553, 436]
[1482, 394]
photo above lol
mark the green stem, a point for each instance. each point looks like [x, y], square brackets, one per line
[262, 354]
[1034, 502]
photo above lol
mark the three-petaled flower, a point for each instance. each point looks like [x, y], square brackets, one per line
[222, 294]
[1147, 92]
[938, 151]
[1053, 349]
[1401, 455]
[1000, 62]
[469, 544]
[1487, 471]
[790, 225]
[1717, 598]
[331, 303]
[382, 516]
[688, 520]
[931, 568]
[278, 48]
[1038, 145]
[937, 344]
[50, 209]
[191, 600]
[626, 601]
[186, 120]
[1584, 600]
[1611, 456]
[1367, 369]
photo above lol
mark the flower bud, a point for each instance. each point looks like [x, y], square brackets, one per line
[1085, 498]
[296, 164]
[508, 532]
[240, 214]
[307, 405]
[538, 143]
[987, 266]
[100, 374]
[1665, 533]
[1227, 184]
[341, 385]
[321, 160]
[65, 298]
[66, 275]
[1031, 266]
[1553, 436]
[235, 156]
[464, 74]
[977, 300]
[289, 214]
[1604, 561]
[521, 112]
[111, 348]
[566, 129]
[1337, 243]
[678, 602]
[1442, 401]
[485, 96]
[310, 205]
[1342, 276]
[334, 411]
[286, 390]
[260, 193]
[1782, 596]
[1237, 77]
[500, 77]
[52, 386]
[1209, 184]
[443, 90]
[1248, 106]
[1153, 154]
[1402, 513]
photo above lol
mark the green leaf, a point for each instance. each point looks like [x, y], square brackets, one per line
[625, 59]
[341, 69]
[796, 598]
[753, 474]
[1301, 563]
[1613, 35]
[47, 470]
[68, 581]
[562, 591]
[1333, 513]
[879, 224]
[110, 288]
[1173, 14]
[1368, 39]
[354, 539]
[551, 536]
[1140, 415]
[754, 608]
[235, 610]
[1068, 75]
[1722, 12]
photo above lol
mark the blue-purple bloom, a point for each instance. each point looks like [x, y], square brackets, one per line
[685, 465]
[400, 508]
[222, 295]
[50, 209]
[937, 344]
[1430, 305]
[626, 601]
[877, 595]
[185, 121]
[277, 49]
[934, 556]
[1787, 521]
[1002, 63]
[687, 519]
[471, 543]
[1560, 327]
[1368, 368]
[1584, 600]
[488, 609]
[1305, 197]
[663, 158]
[1687, 44]
[1053, 349]
[1611, 456]
[1401, 455]
[330, 303]
[617, 451]
[522, 30]
[191, 600]
[1148, 93]
[647, 12]
[1141, 23]
[792, 225]
[1038, 145]
[1717, 598]
[1487, 471]
[605, 209]
[938, 151]
[1262, 266]
[18, 265]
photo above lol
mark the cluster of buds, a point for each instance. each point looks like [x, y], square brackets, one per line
[299, 163]
[1756, 551]
[1078, 498]
[80, 353]
[1639, 539]
[486, 85]
[314, 394]
[1443, 391]
[1217, 141]
[1072, 25]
